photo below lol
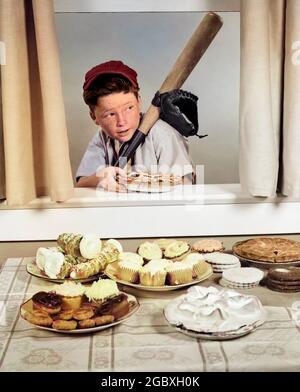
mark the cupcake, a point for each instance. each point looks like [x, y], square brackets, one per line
[207, 246]
[109, 301]
[150, 251]
[101, 290]
[72, 295]
[128, 271]
[162, 263]
[177, 250]
[152, 275]
[198, 264]
[164, 242]
[130, 256]
[179, 273]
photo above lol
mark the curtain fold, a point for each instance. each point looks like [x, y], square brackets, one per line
[269, 98]
[291, 109]
[260, 94]
[34, 127]
[2, 169]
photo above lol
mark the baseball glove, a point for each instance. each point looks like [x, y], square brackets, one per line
[179, 109]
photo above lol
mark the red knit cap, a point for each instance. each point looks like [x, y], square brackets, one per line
[110, 67]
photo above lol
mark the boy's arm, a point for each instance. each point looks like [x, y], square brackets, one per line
[88, 182]
[106, 178]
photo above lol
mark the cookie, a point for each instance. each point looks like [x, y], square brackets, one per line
[283, 288]
[284, 274]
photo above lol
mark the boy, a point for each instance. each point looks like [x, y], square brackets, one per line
[111, 91]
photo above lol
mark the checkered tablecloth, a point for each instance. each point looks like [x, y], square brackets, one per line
[144, 342]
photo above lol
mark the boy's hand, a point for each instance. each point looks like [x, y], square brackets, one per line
[112, 179]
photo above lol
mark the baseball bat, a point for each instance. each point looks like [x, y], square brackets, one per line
[184, 65]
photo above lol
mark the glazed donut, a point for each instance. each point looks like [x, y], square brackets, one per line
[47, 302]
[117, 306]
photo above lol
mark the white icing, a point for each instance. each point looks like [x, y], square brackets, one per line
[207, 309]
[150, 250]
[193, 258]
[178, 266]
[133, 265]
[152, 268]
[131, 257]
[162, 263]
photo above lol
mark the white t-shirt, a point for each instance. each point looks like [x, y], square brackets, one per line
[163, 151]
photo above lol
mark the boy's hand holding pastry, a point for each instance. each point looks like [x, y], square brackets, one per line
[112, 179]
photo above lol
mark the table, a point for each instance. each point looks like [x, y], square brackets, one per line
[145, 342]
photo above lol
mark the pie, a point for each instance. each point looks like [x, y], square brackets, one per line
[273, 250]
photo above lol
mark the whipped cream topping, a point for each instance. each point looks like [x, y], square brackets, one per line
[90, 246]
[102, 289]
[207, 309]
[69, 289]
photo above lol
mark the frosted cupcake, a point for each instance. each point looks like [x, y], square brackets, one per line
[128, 271]
[101, 290]
[162, 263]
[164, 242]
[152, 275]
[179, 273]
[149, 251]
[198, 264]
[177, 250]
[131, 257]
[71, 293]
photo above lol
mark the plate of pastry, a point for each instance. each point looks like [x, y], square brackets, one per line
[77, 257]
[152, 183]
[72, 308]
[33, 269]
[160, 274]
[212, 314]
[268, 252]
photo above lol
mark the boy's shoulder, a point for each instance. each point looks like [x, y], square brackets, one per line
[161, 128]
[99, 138]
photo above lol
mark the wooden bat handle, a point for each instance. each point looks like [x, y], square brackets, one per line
[185, 63]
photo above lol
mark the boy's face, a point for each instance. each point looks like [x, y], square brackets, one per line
[118, 114]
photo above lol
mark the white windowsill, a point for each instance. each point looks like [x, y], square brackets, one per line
[212, 210]
[79, 6]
